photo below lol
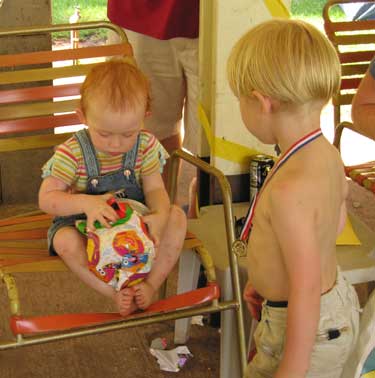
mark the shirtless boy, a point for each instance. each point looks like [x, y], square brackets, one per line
[283, 72]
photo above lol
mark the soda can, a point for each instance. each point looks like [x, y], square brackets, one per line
[260, 165]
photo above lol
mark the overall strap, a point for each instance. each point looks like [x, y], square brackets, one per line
[88, 152]
[283, 159]
[130, 157]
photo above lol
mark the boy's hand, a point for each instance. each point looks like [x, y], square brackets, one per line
[96, 208]
[156, 223]
[253, 301]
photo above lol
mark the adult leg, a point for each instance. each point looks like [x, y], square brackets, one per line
[186, 50]
[169, 250]
[157, 59]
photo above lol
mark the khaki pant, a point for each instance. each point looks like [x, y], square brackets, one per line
[172, 68]
[339, 309]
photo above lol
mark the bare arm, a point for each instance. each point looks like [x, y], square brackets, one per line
[158, 202]
[363, 107]
[155, 193]
[293, 218]
[56, 199]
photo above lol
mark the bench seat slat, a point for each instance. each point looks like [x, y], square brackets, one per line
[39, 93]
[40, 57]
[42, 108]
[44, 74]
[360, 39]
[32, 142]
[24, 244]
[37, 123]
[354, 69]
[347, 26]
[356, 56]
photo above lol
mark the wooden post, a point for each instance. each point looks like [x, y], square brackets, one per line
[222, 23]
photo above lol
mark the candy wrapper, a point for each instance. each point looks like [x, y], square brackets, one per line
[122, 255]
[172, 360]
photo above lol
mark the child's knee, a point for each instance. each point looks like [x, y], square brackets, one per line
[68, 242]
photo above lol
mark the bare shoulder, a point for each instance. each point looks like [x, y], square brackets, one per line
[310, 180]
[291, 186]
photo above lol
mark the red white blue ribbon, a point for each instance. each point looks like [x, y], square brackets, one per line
[291, 151]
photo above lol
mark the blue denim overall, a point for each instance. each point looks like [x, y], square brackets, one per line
[122, 179]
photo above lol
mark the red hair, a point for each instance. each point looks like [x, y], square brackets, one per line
[120, 82]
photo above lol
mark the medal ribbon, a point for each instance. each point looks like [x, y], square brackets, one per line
[283, 158]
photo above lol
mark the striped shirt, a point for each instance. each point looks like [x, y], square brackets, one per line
[67, 164]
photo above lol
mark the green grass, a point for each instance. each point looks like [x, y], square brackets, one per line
[312, 11]
[307, 8]
[91, 10]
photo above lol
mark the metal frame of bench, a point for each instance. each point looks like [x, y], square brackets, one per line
[23, 238]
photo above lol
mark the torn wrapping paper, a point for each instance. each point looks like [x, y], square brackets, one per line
[172, 360]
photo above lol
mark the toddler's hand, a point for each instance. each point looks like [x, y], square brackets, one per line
[253, 301]
[96, 208]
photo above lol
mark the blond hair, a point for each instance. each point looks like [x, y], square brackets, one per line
[119, 82]
[288, 60]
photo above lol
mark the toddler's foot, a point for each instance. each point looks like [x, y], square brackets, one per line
[124, 300]
[144, 295]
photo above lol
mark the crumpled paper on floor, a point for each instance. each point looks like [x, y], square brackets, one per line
[172, 360]
[197, 320]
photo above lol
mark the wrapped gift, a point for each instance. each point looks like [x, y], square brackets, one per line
[123, 254]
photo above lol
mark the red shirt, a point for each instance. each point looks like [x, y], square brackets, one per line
[162, 19]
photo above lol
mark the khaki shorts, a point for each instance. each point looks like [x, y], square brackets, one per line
[339, 309]
[172, 67]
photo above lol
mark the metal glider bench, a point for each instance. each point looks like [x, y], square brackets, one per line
[29, 114]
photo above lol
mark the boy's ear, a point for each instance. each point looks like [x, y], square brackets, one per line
[81, 116]
[264, 101]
